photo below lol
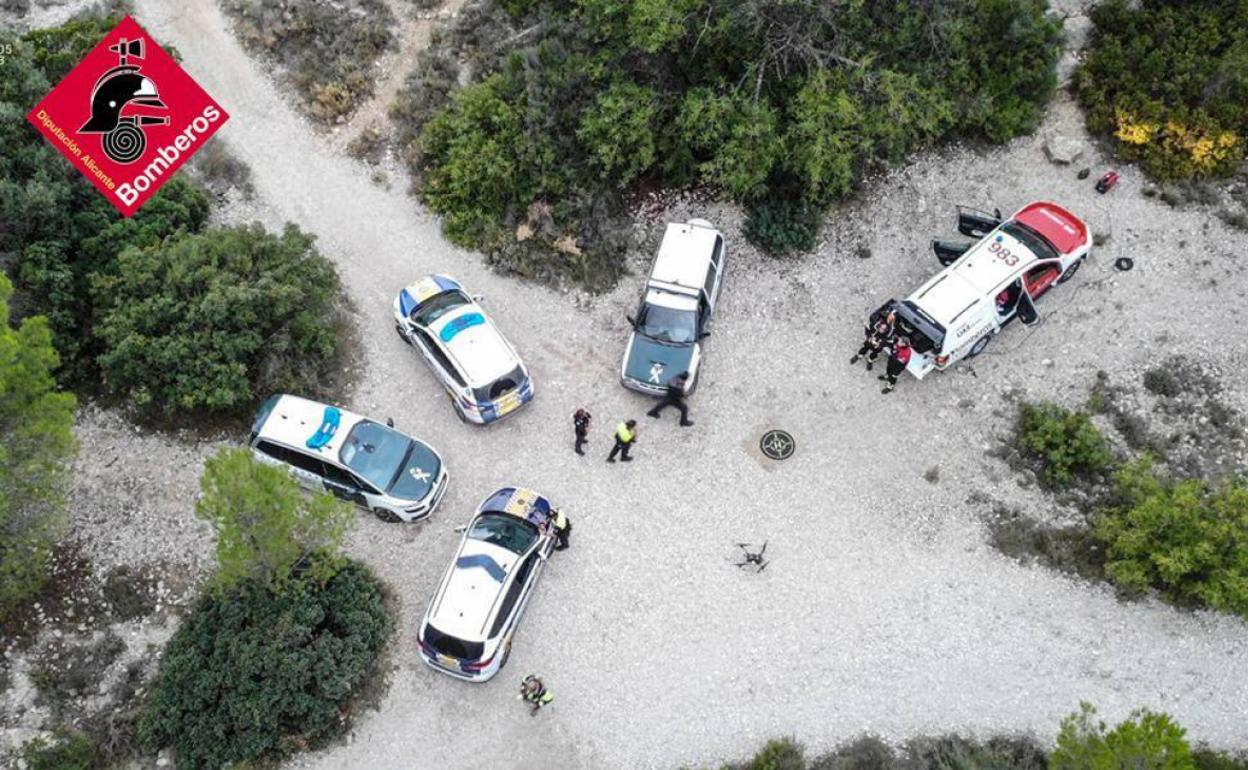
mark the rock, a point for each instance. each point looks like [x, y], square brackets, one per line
[1062, 149]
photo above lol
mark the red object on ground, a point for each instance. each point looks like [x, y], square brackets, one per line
[1107, 182]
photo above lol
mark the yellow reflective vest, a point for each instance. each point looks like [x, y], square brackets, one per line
[623, 433]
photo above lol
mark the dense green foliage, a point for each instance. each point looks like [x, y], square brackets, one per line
[768, 101]
[56, 230]
[217, 319]
[1065, 442]
[176, 316]
[784, 226]
[1168, 79]
[268, 531]
[36, 447]
[1145, 741]
[252, 674]
[64, 751]
[327, 50]
[1185, 538]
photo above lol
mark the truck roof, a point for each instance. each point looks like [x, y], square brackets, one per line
[684, 253]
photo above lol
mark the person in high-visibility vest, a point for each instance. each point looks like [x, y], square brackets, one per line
[560, 525]
[625, 435]
[535, 693]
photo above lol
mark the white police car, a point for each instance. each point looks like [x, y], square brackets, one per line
[988, 283]
[481, 372]
[469, 626]
[355, 459]
[676, 308]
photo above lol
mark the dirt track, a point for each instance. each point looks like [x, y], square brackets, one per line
[884, 610]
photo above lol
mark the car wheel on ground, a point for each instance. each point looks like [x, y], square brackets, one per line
[1070, 271]
[979, 346]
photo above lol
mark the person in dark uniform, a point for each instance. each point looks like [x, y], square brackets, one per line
[580, 423]
[675, 396]
[897, 361]
[879, 334]
[625, 435]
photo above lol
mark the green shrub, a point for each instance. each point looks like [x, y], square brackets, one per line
[618, 130]
[1207, 759]
[1185, 538]
[56, 230]
[765, 102]
[267, 531]
[782, 754]
[782, 226]
[215, 320]
[66, 751]
[252, 675]
[328, 50]
[1168, 80]
[1066, 443]
[1146, 741]
[36, 447]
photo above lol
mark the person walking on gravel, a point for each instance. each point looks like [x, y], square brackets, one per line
[535, 694]
[878, 336]
[625, 435]
[675, 396]
[897, 361]
[561, 528]
[580, 424]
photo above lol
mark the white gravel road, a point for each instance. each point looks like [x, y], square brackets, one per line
[884, 610]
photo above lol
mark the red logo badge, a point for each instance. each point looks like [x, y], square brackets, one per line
[127, 116]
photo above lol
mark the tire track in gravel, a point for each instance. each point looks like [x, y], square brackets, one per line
[885, 610]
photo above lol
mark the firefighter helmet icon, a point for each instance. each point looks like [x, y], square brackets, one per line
[122, 89]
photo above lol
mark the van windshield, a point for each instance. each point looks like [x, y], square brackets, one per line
[668, 325]
[375, 452]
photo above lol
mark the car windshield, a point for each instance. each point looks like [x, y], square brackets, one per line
[375, 452]
[433, 309]
[504, 531]
[1033, 240]
[667, 325]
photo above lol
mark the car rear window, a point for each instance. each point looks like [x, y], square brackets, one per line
[925, 334]
[500, 387]
[452, 645]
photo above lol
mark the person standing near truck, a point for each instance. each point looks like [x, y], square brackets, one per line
[898, 359]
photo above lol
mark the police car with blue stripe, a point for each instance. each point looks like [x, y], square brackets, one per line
[353, 458]
[469, 626]
[477, 366]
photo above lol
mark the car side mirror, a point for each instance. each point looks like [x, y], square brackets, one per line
[461, 529]
[390, 422]
[704, 335]
[631, 321]
[997, 213]
[478, 298]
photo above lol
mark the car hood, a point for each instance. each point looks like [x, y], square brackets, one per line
[419, 475]
[654, 363]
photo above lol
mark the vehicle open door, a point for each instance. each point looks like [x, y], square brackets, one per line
[1027, 310]
[977, 224]
[948, 252]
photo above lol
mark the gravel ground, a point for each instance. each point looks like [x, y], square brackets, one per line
[883, 610]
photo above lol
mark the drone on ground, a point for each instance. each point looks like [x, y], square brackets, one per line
[753, 559]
